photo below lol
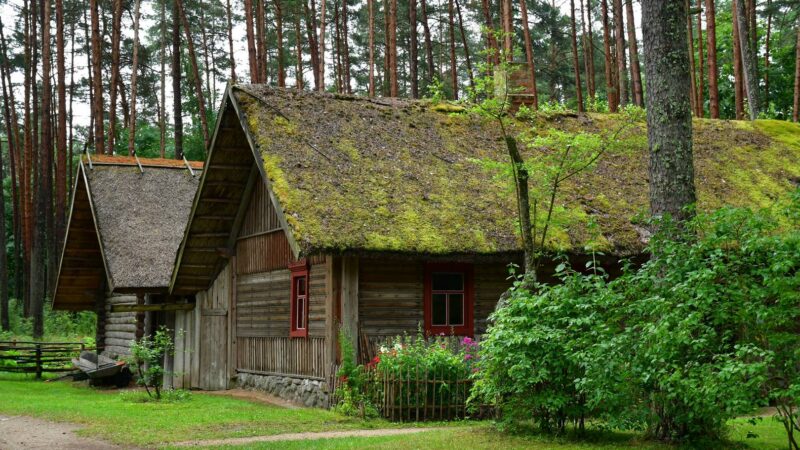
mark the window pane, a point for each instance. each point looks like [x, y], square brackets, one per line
[299, 309]
[456, 313]
[301, 286]
[448, 281]
[439, 309]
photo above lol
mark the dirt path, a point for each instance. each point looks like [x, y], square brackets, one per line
[19, 432]
[302, 437]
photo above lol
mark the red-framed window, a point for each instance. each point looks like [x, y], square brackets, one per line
[299, 302]
[449, 299]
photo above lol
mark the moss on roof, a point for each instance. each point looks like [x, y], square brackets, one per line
[389, 175]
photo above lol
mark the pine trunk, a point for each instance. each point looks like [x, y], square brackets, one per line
[162, 108]
[575, 61]
[413, 50]
[669, 117]
[465, 45]
[796, 114]
[231, 57]
[346, 48]
[452, 33]
[252, 56]
[116, 32]
[701, 75]
[198, 83]
[633, 48]
[177, 114]
[526, 34]
[321, 44]
[585, 49]
[5, 324]
[491, 40]
[371, 32]
[611, 91]
[692, 71]
[97, 80]
[622, 65]
[61, 140]
[508, 29]
[261, 46]
[766, 55]
[711, 48]
[738, 88]
[313, 48]
[134, 79]
[394, 88]
[426, 32]
[748, 62]
[279, 38]
[298, 39]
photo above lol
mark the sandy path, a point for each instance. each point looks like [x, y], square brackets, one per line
[19, 432]
[302, 437]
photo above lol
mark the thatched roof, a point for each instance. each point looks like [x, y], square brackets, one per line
[125, 227]
[363, 174]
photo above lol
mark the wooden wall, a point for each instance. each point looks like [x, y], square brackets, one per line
[186, 366]
[391, 295]
[119, 328]
[263, 295]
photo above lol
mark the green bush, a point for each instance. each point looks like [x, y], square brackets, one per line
[677, 347]
[147, 356]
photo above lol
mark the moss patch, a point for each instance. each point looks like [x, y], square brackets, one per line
[397, 175]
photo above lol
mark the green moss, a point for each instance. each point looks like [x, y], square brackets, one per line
[445, 107]
[782, 131]
[346, 146]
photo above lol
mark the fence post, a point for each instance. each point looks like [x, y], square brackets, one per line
[38, 361]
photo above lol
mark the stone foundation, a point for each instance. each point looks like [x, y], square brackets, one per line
[311, 393]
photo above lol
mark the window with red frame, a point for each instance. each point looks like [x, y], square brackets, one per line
[299, 305]
[448, 299]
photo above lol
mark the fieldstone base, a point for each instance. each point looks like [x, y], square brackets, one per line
[311, 393]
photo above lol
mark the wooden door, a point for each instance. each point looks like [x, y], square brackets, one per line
[213, 333]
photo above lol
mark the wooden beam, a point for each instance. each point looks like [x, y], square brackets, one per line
[349, 289]
[156, 307]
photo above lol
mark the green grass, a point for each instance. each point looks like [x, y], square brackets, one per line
[105, 414]
[116, 417]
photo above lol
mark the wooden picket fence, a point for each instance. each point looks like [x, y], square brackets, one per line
[412, 394]
[38, 357]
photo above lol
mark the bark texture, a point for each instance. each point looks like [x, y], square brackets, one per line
[669, 116]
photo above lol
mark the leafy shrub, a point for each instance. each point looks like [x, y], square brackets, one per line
[351, 395]
[167, 396]
[147, 356]
[694, 337]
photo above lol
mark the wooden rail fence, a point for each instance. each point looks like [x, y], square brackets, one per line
[38, 357]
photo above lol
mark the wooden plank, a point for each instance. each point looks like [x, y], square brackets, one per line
[155, 307]
[349, 296]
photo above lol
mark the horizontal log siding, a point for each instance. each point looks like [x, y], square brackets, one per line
[275, 355]
[391, 296]
[120, 327]
[262, 324]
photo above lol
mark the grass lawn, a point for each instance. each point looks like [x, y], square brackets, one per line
[105, 414]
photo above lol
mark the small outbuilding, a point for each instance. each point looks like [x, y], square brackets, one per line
[125, 224]
[318, 213]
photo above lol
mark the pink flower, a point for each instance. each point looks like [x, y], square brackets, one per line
[467, 357]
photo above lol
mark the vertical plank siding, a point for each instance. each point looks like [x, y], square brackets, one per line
[282, 356]
[261, 215]
[262, 253]
[212, 333]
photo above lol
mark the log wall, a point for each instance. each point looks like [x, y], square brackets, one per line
[119, 328]
[391, 295]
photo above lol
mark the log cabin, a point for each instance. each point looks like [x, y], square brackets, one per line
[125, 224]
[320, 212]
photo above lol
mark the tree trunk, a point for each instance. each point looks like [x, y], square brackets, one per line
[371, 32]
[279, 38]
[43, 193]
[692, 71]
[252, 56]
[346, 49]
[70, 145]
[491, 41]
[526, 34]
[162, 109]
[27, 162]
[669, 117]
[97, 76]
[738, 88]
[413, 50]
[134, 77]
[394, 88]
[426, 32]
[711, 48]
[116, 32]
[452, 34]
[748, 62]
[622, 67]
[611, 90]
[465, 45]
[701, 75]
[633, 48]
[5, 324]
[321, 44]
[298, 39]
[585, 48]
[311, 31]
[261, 45]
[198, 84]
[507, 12]
[176, 80]
[766, 55]
[796, 114]
[61, 140]
[575, 61]
[232, 59]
